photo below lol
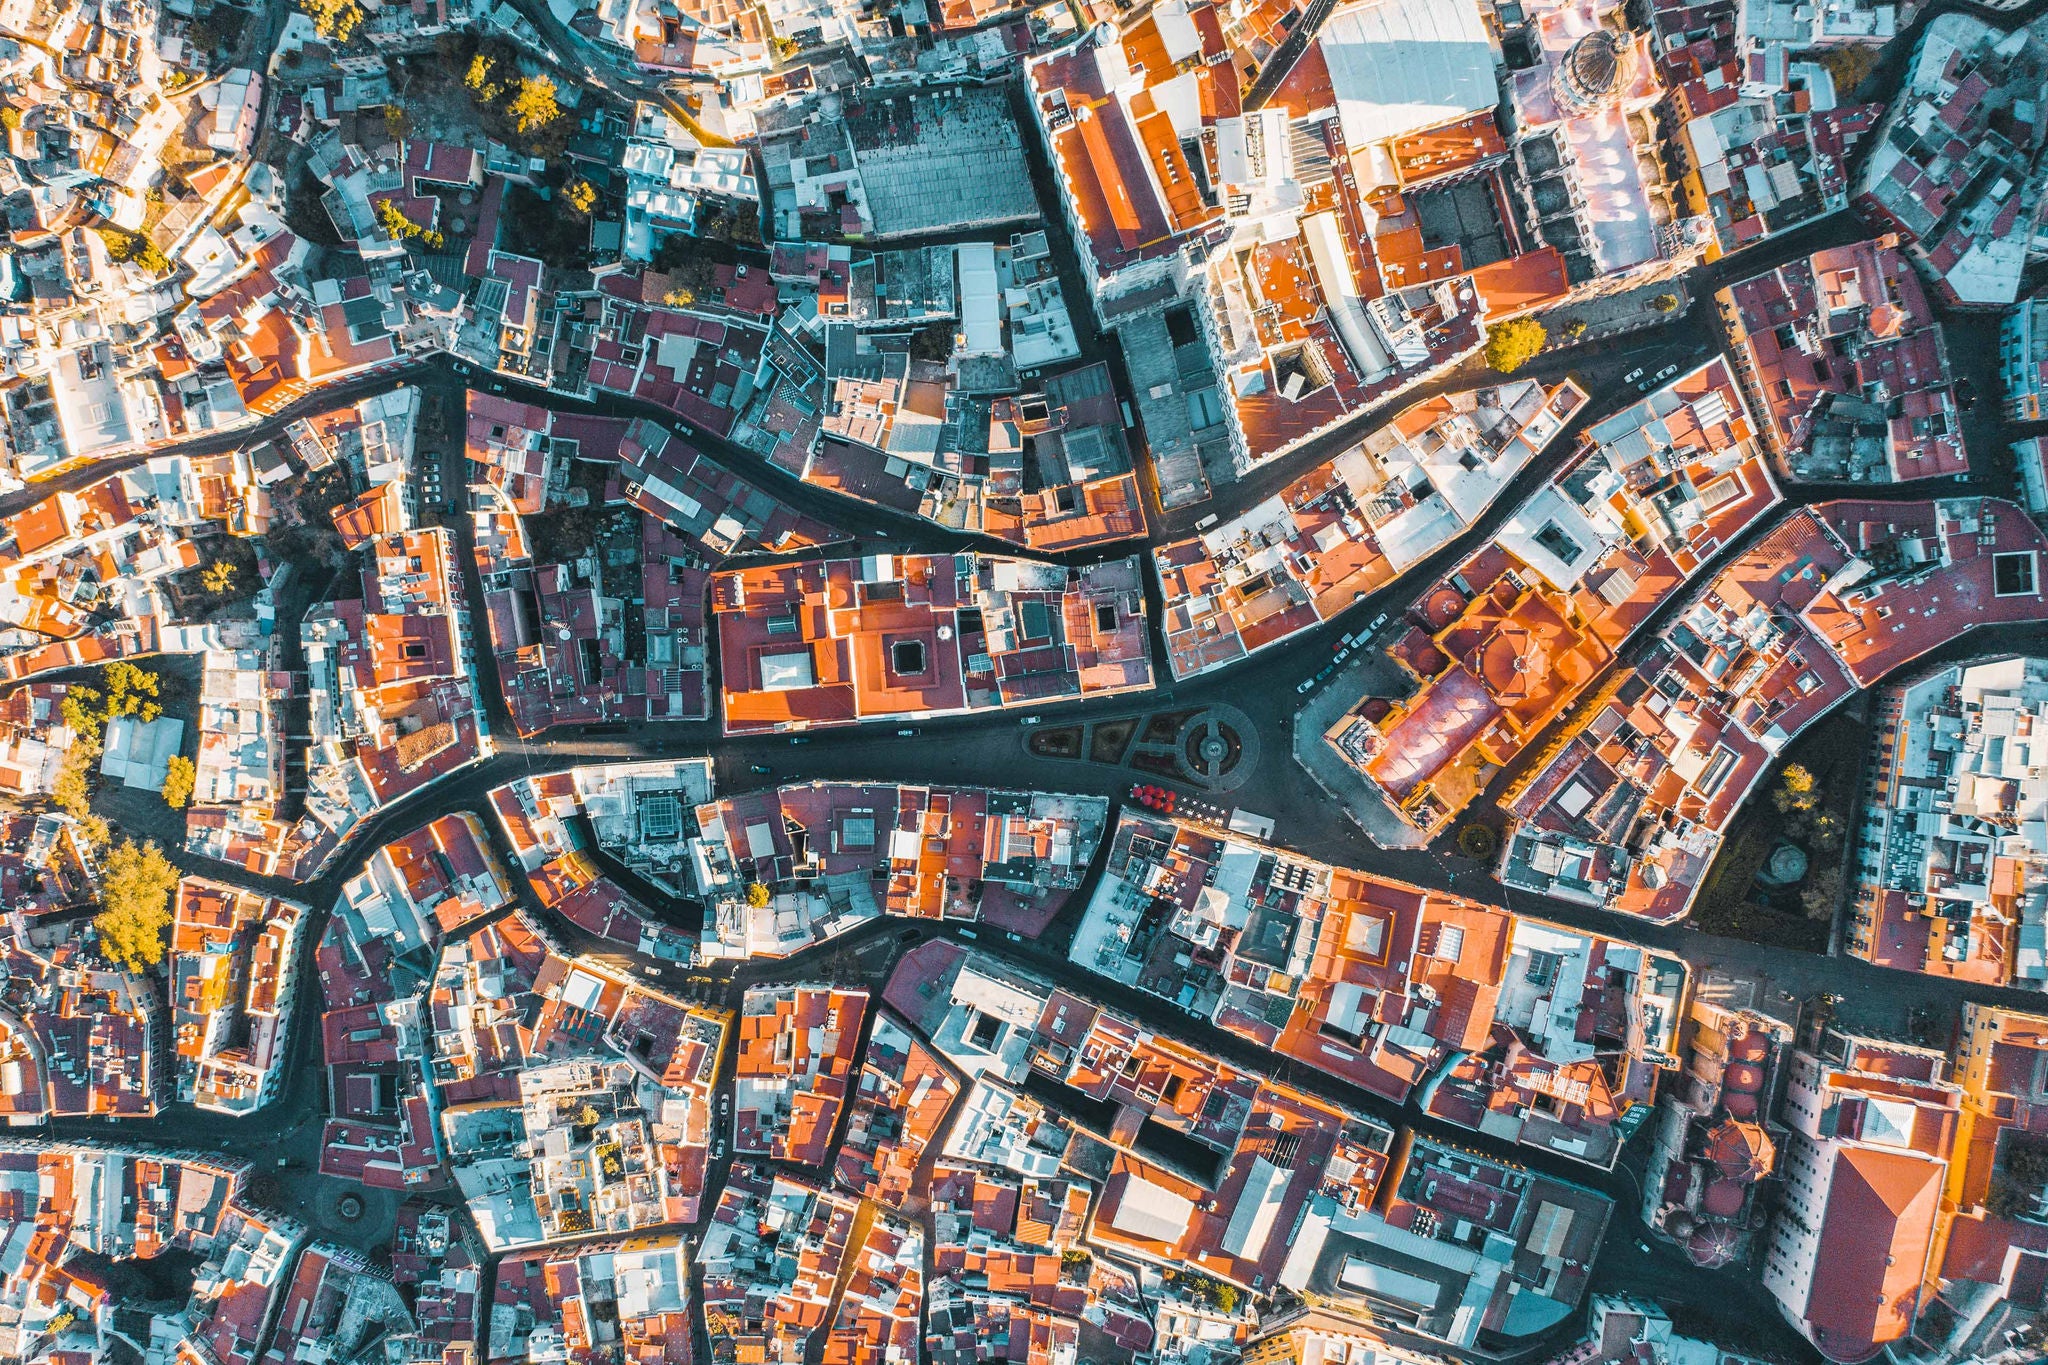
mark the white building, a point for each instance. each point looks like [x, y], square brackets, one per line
[2023, 358]
[234, 105]
[1956, 835]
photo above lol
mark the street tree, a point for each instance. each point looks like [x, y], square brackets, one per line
[1515, 343]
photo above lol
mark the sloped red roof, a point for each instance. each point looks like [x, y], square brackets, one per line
[1880, 1221]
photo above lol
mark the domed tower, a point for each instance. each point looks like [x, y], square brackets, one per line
[1592, 73]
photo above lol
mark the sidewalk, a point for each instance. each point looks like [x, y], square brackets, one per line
[1613, 315]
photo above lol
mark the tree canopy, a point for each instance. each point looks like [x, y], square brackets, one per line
[336, 19]
[124, 690]
[1850, 65]
[72, 791]
[135, 897]
[179, 775]
[131, 691]
[1795, 789]
[478, 78]
[523, 111]
[533, 103]
[398, 227]
[2021, 1173]
[1515, 343]
[133, 247]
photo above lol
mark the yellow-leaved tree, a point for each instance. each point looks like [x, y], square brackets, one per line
[1515, 343]
[533, 104]
[135, 905]
[179, 775]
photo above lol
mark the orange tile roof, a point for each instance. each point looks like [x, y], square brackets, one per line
[1517, 284]
[1873, 1250]
[378, 512]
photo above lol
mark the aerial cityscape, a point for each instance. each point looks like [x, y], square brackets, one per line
[1069, 682]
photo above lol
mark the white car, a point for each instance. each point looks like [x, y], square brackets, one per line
[1306, 684]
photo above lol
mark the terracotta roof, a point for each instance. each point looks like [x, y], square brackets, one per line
[375, 513]
[1873, 1248]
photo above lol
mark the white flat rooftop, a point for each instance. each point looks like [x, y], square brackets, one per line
[1402, 66]
[139, 754]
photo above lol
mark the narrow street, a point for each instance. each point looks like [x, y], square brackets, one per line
[284, 1139]
[969, 749]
